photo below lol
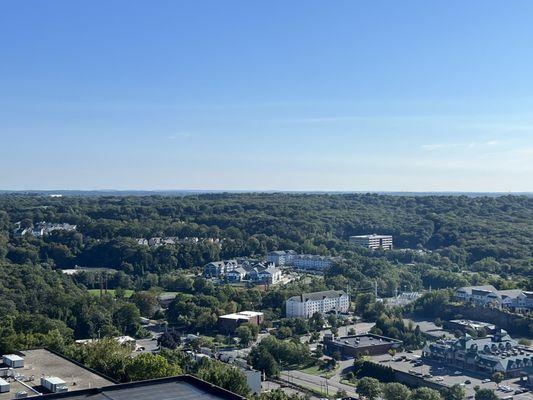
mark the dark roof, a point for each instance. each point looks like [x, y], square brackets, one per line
[174, 388]
[365, 340]
[331, 294]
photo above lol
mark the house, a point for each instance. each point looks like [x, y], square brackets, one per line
[218, 269]
[514, 299]
[236, 275]
[271, 275]
[479, 295]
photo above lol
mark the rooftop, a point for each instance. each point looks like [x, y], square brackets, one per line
[41, 362]
[331, 294]
[366, 340]
[374, 236]
[242, 315]
[174, 388]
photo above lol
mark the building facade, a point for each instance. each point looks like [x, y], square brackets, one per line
[230, 322]
[373, 242]
[496, 353]
[483, 296]
[305, 305]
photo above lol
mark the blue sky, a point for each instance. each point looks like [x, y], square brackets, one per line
[248, 95]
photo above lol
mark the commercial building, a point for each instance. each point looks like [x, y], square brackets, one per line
[515, 300]
[496, 353]
[373, 242]
[357, 345]
[25, 370]
[305, 305]
[173, 388]
[230, 322]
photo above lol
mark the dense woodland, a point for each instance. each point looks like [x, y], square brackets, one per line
[441, 242]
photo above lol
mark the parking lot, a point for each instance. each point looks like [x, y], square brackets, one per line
[450, 376]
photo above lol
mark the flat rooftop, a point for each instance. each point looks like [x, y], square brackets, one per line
[175, 388]
[242, 315]
[367, 340]
[41, 362]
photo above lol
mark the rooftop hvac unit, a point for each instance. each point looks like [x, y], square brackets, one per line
[21, 395]
[13, 361]
[54, 384]
[4, 386]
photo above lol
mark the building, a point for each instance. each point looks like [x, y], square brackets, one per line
[218, 269]
[230, 322]
[270, 275]
[305, 305]
[173, 388]
[373, 242]
[357, 345]
[236, 275]
[311, 262]
[23, 372]
[496, 353]
[515, 300]
[467, 326]
[281, 258]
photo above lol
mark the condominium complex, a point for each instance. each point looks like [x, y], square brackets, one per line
[281, 257]
[497, 353]
[514, 299]
[373, 242]
[290, 258]
[305, 305]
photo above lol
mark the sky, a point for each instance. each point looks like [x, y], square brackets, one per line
[273, 95]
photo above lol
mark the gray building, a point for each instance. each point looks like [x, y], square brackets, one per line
[373, 242]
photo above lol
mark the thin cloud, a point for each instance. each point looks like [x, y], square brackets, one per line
[470, 145]
[180, 135]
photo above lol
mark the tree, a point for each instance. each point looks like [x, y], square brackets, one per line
[244, 334]
[225, 376]
[486, 394]
[425, 393]
[497, 377]
[146, 302]
[150, 366]
[396, 391]
[456, 392]
[369, 388]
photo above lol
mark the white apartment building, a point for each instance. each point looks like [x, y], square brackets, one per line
[373, 242]
[281, 258]
[305, 305]
[312, 262]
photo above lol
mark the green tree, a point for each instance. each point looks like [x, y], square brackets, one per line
[150, 366]
[425, 393]
[370, 388]
[244, 334]
[486, 394]
[396, 391]
[497, 377]
[456, 392]
[225, 376]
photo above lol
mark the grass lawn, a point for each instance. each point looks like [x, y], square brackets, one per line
[96, 292]
[314, 370]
